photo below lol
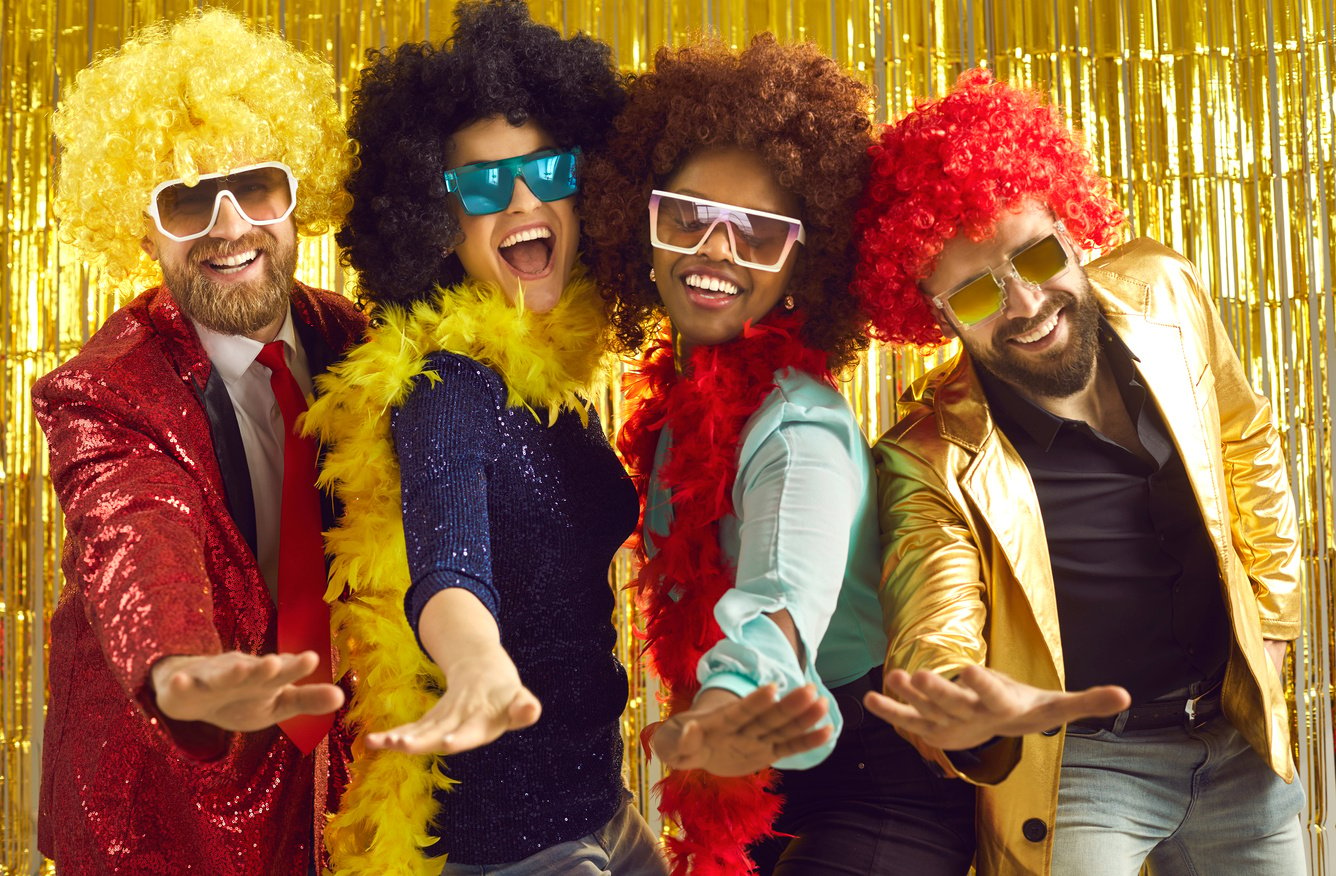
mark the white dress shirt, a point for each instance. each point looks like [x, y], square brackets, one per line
[261, 424]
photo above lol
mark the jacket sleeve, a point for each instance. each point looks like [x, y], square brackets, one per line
[933, 597]
[135, 535]
[1262, 520]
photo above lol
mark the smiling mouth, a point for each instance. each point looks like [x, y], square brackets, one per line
[233, 264]
[1039, 332]
[713, 285]
[528, 251]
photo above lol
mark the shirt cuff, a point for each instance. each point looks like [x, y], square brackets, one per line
[418, 595]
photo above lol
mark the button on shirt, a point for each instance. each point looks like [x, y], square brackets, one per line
[261, 425]
[1135, 575]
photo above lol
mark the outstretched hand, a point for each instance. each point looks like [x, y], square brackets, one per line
[241, 692]
[729, 735]
[982, 703]
[484, 699]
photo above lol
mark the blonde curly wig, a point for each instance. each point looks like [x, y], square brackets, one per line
[201, 95]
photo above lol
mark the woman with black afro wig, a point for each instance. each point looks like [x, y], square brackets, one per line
[720, 220]
[482, 502]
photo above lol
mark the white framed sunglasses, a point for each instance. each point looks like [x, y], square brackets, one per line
[263, 194]
[757, 239]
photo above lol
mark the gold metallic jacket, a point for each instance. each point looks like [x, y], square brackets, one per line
[966, 574]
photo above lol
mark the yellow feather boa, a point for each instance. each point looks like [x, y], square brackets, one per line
[548, 361]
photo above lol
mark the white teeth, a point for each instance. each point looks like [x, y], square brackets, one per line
[711, 284]
[232, 261]
[526, 234]
[1041, 332]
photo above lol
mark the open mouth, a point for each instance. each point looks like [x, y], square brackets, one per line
[1039, 332]
[529, 251]
[233, 264]
[711, 285]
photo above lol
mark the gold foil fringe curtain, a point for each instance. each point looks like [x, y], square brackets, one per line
[1216, 122]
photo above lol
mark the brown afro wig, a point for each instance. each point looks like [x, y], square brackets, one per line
[793, 106]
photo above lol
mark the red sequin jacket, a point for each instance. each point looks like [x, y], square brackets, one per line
[158, 558]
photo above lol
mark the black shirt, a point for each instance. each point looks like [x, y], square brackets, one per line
[1140, 600]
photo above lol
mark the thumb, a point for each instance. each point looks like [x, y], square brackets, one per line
[1097, 702]
[524, 709]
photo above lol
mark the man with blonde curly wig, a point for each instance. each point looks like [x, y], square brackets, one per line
[191, 698]
[1085, 512]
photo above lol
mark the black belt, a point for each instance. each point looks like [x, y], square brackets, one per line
[1172, 711]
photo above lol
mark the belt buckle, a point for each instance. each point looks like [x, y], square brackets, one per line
[1191, 720]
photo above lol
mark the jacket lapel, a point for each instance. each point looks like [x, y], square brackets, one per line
[1166, 369]
[183, 347]
[998, 486]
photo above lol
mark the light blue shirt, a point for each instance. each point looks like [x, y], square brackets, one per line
[804, 538]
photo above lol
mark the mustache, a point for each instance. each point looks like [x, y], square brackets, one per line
[1057, 300]
[212, 248]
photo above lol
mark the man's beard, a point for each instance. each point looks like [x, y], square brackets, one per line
[1057, 373]
[234, 308]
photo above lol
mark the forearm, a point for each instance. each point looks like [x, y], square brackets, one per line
[460, 634]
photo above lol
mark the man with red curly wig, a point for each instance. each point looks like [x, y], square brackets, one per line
[1088, 497]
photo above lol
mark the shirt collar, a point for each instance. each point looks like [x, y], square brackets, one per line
[1013, 409]
[233, 355]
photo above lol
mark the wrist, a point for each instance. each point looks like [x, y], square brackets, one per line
[480, 660]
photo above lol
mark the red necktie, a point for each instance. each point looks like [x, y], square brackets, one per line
[303, 617]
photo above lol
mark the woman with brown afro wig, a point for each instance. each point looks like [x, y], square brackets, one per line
[719, 220]
[483, 503]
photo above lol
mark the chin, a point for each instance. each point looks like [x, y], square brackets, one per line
[540, 297]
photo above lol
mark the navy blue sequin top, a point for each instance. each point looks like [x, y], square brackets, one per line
[527, 517]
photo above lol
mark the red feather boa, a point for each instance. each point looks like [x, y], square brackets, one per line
[706, 410]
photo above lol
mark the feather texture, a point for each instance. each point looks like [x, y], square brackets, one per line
[549, 362]
[706, 409]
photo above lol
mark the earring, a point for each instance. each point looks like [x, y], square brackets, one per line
[653, 277]
[788, 302]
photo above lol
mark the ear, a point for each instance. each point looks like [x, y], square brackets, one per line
[940, 317]
[149, 247]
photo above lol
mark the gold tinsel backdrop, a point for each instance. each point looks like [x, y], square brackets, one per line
[1215, 120]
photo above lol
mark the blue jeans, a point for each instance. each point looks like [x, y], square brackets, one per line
[624, 846]
[1183, 801]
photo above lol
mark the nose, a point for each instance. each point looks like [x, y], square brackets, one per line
[230, 223]
[1024, 299]
[718, 247]
[522, 200]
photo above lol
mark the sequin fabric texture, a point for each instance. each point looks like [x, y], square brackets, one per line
[528, 518]
[154, 565]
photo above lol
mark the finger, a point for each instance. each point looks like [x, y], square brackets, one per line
[307, 699]
[737, 714]
[438, 721]
[1095, 702]
[523, 711]
[896, 713]
[804, 742]
[782, 713]
[689, 751]
[937, 699]
[798, 724]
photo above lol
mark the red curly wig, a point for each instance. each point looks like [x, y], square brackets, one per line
[955, 165]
